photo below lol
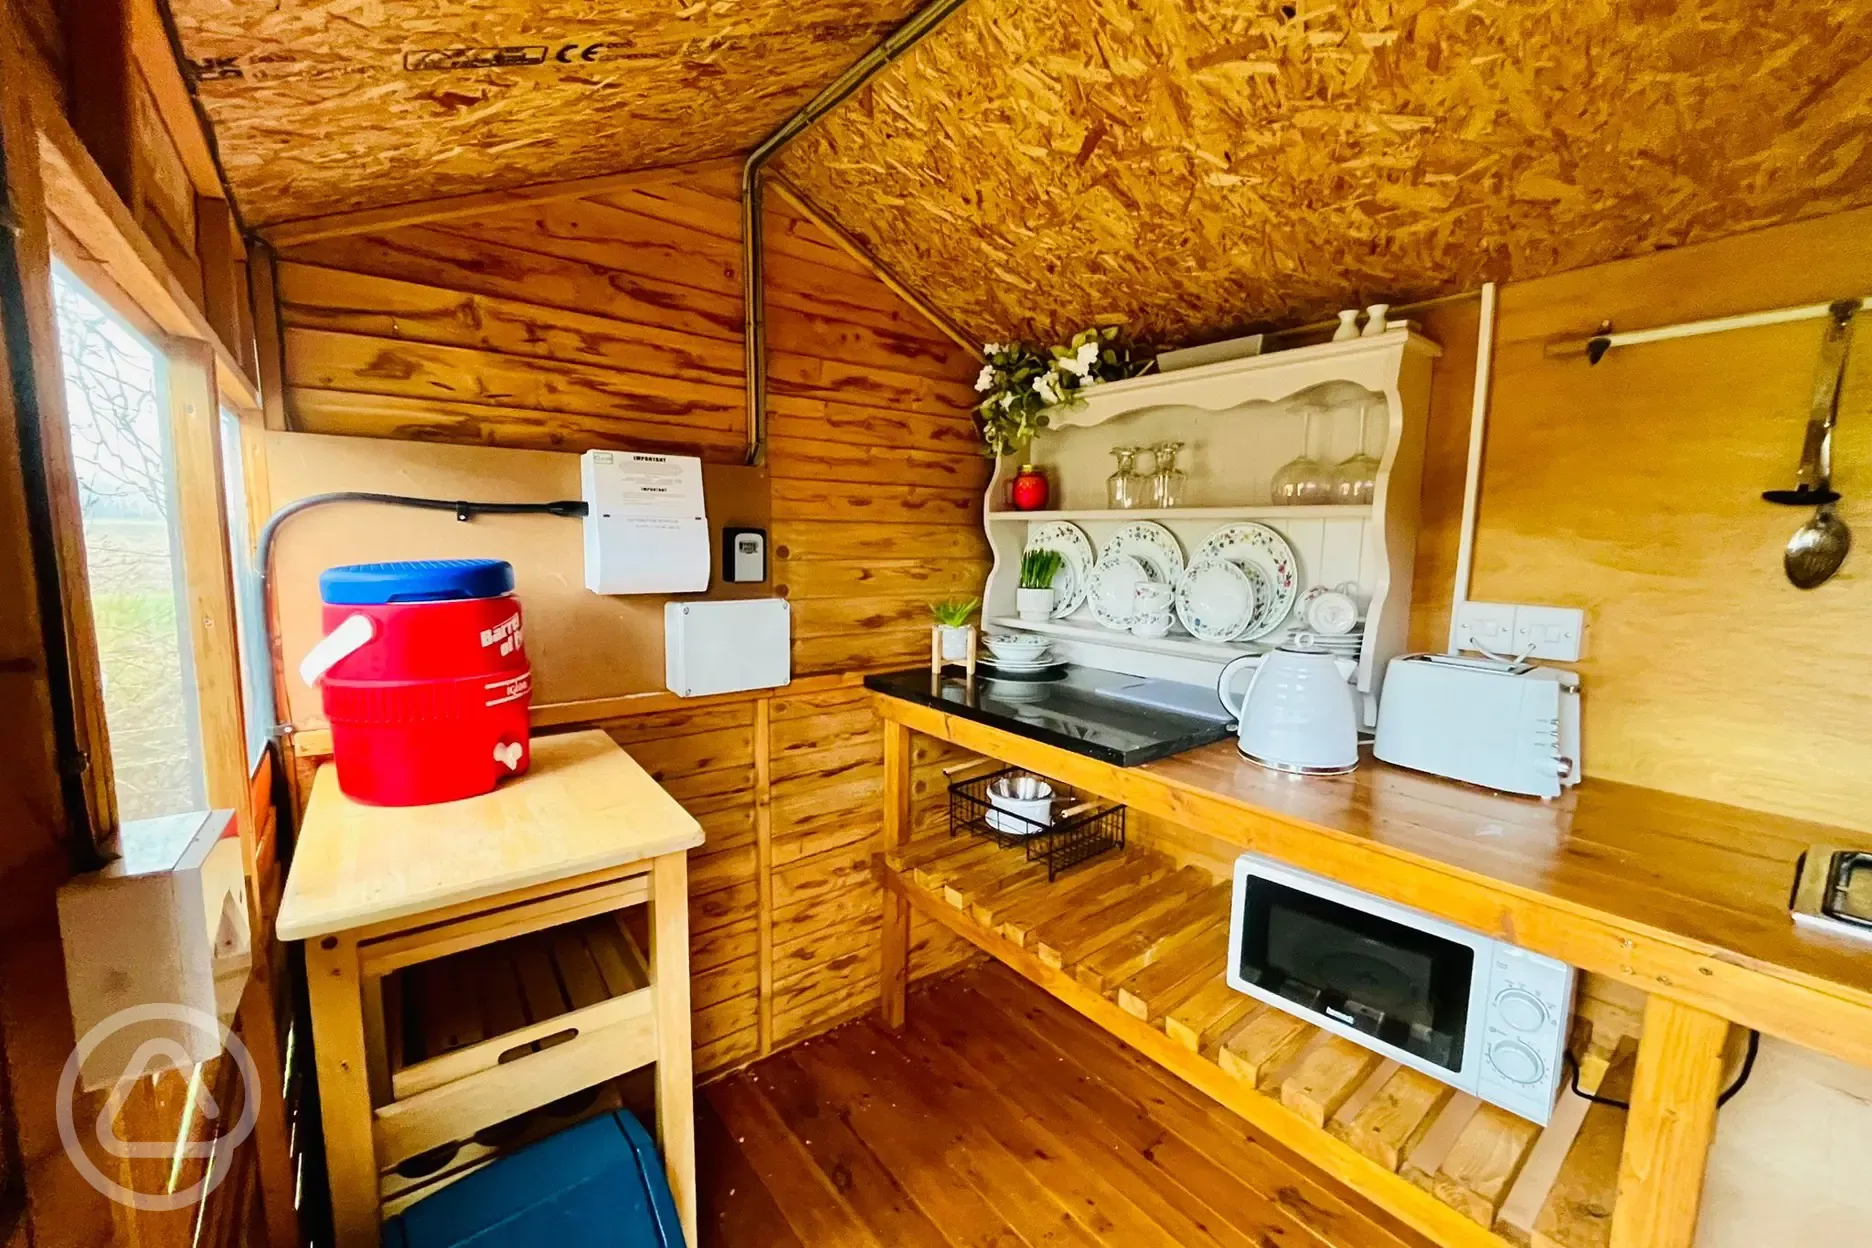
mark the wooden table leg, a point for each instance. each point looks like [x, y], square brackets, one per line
[334, 997]
[1669, 1128]
[669, 978]
[894, 962]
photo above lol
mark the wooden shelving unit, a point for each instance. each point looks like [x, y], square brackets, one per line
[1138, 945]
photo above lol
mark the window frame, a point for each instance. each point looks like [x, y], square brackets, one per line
[180, 563]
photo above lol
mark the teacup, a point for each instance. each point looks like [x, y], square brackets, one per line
[1152, 598]
[1150, 625]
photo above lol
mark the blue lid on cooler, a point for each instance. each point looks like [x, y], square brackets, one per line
[415, 580]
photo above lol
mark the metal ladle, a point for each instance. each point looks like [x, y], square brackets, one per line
[1820, 546]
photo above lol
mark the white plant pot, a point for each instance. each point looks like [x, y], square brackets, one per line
[1034, 604]
[955, 641]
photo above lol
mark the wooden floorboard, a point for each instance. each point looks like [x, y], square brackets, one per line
[998, 1118]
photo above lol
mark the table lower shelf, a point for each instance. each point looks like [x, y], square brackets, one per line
[1138, 946]
[493, 1047]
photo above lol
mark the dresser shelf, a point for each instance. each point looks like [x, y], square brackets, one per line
[1261, 511]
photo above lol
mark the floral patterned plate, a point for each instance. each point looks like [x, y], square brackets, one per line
[1215, 599]
[1074, 578]
[1248, 543]
[1152, 545]
[1114, 589]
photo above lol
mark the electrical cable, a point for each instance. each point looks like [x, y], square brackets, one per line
[1728, 1094]
[464, 509]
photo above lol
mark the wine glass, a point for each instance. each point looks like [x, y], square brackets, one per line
[1304, 481]
[1355, 480]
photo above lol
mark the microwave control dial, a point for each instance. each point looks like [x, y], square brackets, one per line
[1516, 1062]
[1520, 1009]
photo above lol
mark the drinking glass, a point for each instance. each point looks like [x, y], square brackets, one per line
[1304, 481]
[1355, 480]
[1168, 482]
[1125, 488]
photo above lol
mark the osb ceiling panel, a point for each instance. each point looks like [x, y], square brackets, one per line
[1191, 166]
[327, 107]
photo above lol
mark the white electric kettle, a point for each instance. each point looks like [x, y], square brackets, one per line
[1299, 715]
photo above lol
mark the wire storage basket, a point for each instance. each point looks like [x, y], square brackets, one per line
[1056, 825]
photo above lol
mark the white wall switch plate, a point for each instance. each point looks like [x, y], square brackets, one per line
[1549, 632]
[1484, 626]
[1512, 631]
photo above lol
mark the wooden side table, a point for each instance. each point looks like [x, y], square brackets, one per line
[475, 897]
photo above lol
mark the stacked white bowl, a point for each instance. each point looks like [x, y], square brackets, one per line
[1017, 649]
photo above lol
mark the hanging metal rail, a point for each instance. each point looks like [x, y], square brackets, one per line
[1594, 348]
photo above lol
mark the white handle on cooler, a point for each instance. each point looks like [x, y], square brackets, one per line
[348, 638]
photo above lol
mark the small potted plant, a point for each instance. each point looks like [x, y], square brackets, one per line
[1034, 599]
[952, 622]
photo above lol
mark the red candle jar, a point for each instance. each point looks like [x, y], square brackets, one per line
[1029, 489]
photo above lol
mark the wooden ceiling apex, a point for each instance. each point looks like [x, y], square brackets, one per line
[332, 106]
[1191, 166]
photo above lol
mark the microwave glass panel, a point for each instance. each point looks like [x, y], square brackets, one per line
[1406, 987]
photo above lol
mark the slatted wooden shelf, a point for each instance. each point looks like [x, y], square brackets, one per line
[459, 1017]
[1139, 945]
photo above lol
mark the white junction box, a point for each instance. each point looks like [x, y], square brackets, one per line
[725, 647]
[646, 526]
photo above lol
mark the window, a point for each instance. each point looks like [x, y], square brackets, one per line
[115, 393]
[249, 612]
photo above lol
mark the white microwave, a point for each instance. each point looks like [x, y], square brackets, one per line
[1482, 1015]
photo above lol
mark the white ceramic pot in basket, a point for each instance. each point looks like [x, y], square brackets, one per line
[1034, 604]
[1298, 715]
[1020, 805]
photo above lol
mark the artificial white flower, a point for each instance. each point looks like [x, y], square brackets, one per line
[993, 348]
[1007, 401]
[1088, 356]
[1046, 388]
[1077, 367]
[985, 380]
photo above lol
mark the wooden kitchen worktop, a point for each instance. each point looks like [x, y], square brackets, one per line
[583, 806]
[1684, 898]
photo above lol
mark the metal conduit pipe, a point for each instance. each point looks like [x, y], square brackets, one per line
[894, 45]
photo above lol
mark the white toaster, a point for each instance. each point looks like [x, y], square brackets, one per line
[1513, 727]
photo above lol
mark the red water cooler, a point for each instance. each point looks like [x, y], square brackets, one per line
[425, 679]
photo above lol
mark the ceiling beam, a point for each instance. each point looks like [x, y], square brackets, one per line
[285, 234]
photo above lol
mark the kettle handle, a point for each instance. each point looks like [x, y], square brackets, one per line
[1222, 683]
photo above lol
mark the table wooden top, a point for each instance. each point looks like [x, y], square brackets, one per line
[583, 806]
[1671, 894]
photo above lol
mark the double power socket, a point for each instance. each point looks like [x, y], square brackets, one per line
[1510, 631]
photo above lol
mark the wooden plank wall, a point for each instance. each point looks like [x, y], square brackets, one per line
[1631, 489]
[616, 320]
[784, 909]
[147, 144]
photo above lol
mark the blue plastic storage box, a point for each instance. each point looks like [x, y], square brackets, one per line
[598, 1183]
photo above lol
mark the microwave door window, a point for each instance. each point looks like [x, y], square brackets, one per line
[1403, 986]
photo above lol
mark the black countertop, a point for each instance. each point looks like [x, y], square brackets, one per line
[1078, 713]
